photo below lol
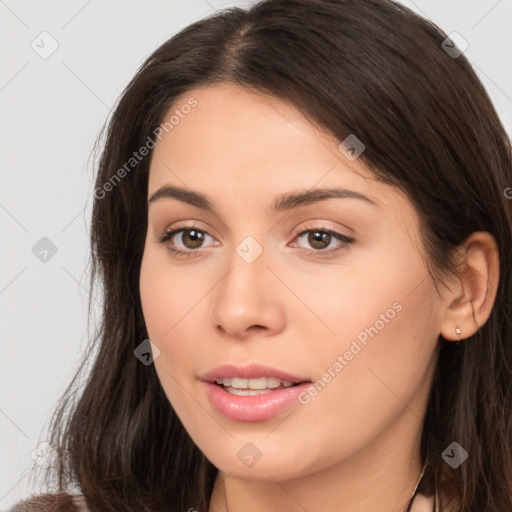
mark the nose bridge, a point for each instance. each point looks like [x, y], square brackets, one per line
[246, 296]
[248, 272]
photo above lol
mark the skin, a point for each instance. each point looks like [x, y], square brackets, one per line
[298, 311]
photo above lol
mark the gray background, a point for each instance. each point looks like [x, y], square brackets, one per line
[51, 110]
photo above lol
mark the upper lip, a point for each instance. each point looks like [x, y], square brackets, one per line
[251, 371]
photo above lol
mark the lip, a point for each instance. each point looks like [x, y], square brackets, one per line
[252, 408]
[251, 371]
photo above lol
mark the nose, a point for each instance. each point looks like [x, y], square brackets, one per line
[249, 299]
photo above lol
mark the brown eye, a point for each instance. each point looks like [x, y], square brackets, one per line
[185, 240]
[192, 238]
[319, 239]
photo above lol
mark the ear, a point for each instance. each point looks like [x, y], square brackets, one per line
[469, 302]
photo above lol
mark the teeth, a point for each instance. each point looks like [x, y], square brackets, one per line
[256, 384]
[247, 392]
[240, 383]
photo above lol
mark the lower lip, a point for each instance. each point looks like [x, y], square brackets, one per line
[253, 408]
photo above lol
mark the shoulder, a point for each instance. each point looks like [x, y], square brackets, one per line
[61, 502]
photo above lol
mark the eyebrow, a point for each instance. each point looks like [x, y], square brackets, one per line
[282, 203]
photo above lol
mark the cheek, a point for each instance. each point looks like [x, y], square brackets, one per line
[371, 289]
[167, 293]
[166, 297]
[174, 302]
[383, 319]
[365, 388]
[154, 300]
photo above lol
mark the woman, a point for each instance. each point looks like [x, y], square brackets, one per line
[302, 226]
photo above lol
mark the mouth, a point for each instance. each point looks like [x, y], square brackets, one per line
[252, 387]
[252, 393]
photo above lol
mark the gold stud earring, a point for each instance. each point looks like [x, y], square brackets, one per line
[458, 331]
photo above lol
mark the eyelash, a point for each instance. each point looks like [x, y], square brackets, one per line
[345, 241]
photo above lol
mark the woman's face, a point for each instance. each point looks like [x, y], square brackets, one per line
[265, 280]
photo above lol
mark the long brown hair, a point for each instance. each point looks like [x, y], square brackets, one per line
[371, 68]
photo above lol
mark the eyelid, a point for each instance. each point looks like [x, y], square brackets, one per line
[185, 225]
[324, 225]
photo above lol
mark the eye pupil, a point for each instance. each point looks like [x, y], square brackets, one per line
[195, 236]
[316, 237]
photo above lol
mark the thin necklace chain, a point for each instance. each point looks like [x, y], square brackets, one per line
[411, 500]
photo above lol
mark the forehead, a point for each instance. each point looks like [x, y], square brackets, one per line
[236, 135]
